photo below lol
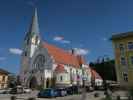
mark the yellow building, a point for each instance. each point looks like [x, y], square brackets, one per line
[3, 79]
[123, 49]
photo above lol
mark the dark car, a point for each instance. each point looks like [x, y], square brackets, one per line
[73, 90]
[61, 92]
[69, 91]
[47, 93]
[13, 91]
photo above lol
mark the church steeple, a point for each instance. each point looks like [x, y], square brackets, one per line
[32, 38]
[34, 27]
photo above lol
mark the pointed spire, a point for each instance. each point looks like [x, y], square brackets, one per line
[34, 27]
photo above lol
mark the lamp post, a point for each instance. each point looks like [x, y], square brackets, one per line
[83, 77]
[83, 89]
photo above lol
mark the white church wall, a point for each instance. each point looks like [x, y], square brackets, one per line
[62, 78]
[48, 73]
[79, 76]
[54, 66]
[73, 74]
[33, 49]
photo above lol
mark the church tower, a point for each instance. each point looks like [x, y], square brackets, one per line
[32, 39]
[31, 43]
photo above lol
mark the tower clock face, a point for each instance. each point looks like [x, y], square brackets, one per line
[33, 40]
[37, 40]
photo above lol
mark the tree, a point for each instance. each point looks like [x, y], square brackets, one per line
[106, 69]
[12, 80]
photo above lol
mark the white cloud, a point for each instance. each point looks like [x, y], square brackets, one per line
[58, 38]
[65, 41]
[15, 51]
[61, 40]
[81, 51]
[2, 58]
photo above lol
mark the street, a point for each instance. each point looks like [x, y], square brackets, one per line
[83, 96]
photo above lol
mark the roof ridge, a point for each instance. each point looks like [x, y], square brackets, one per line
[63, 50]
[62, 56]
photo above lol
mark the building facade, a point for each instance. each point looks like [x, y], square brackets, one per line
[96, 79]
[47, 65]
[3, 79]
[123, 49]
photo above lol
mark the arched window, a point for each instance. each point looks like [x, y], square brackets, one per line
[39, 62]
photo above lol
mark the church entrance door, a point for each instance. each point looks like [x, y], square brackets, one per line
[33, 83]
[48, 83]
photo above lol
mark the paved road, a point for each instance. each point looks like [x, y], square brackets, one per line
[83, 96]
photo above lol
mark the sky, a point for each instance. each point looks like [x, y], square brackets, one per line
[85, 25]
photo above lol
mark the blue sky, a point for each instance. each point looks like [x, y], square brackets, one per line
[84, 24]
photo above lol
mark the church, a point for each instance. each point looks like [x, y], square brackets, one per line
[46, 65]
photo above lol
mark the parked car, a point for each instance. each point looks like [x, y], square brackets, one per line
[75, 90]
[26, 90]
[2, 91]
[91, 89]
[47, 93]
[61, 92]
[7, 91]
[17, 90]
[13, 91]
[69, 91]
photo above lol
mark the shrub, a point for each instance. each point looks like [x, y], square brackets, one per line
[131, 92]
[40, 87]
[107, 98]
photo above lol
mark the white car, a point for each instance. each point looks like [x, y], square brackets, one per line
[2, 91]
[7, 91]
[27, 90]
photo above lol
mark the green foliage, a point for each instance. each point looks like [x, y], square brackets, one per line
[131, 92]
[107, 98]
[40, 87]
[106, 69]
[12, 81]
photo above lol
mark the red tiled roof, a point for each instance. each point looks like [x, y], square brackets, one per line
[61, 56]
[80, 59]
[60, 68]
[95, 75]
